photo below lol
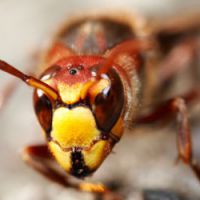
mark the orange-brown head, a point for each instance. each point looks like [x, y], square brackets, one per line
[82, 102]
[83, 125]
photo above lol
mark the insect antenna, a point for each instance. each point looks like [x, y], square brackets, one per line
[129, 47]
[29, 80]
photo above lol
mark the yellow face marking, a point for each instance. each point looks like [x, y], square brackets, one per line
[85, 88]
[75, 127]
[95, 156]
[72, 93]
[98, 88]
[63, 158]
[92, 158]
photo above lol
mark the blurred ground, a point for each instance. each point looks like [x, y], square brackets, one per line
[143, 160]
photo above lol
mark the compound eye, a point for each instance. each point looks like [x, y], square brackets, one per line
[43, 110]
[102, 97]
[109, 103]
[42, 104]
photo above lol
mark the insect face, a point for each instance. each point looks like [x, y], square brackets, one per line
[81, 127]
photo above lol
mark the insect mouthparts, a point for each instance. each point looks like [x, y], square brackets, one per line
[79, 169]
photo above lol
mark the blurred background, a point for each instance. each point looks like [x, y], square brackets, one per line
[144, 160]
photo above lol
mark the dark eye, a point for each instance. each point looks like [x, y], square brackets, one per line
[109, 103]
[43, 110]
[42, 104]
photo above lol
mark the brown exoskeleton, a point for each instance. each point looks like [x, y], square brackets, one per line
[99, 74]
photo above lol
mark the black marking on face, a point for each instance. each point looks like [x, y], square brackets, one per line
[79, 169]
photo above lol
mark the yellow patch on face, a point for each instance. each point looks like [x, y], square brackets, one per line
[95, 156]
[72, 93]
[98, 88]
[63, 158]
[92, 158]
[74, 127]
